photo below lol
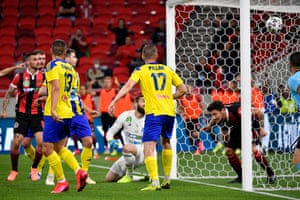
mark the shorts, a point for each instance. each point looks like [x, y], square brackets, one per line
[25, 123]
[156, 126]
[55, 131]
[80, 127]
[234, 140]
[119, 167]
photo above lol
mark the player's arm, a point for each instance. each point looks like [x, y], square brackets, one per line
[92, 112]
[180, 91]
[259, 116]
[9, 93]
[123, 91]
[10, 69]
[118, 124]
[42, 96]
[54, 99]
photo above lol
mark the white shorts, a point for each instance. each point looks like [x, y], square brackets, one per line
[119, 167]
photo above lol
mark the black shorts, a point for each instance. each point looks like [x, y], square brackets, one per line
[26, 124]
[234, 139]
[107, 121]
[298, 143]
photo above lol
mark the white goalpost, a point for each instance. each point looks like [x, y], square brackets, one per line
[213, 43]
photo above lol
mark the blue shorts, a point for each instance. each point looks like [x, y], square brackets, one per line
[156, 126]
[80, 126]
[55, 131]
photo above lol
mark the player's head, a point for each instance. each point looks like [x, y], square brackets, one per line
[149, 53]
[140, 104]
[217, 111]
[41, 56]
[58, 48]
[71, 57]
[295, 61]
[83, 90]
[31, 60]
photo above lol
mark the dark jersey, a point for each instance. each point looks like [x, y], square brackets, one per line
[28, 85]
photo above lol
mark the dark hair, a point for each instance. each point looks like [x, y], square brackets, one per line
[58, 47]
[295, 59]
[137, 98]
[69, 51]
[215, 105]
[39, 51]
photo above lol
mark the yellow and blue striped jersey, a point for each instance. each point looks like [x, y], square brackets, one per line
[76, 102]
[156, 81]
[62, 71]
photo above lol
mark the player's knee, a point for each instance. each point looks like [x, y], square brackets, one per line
[129, 158]
[229, 152]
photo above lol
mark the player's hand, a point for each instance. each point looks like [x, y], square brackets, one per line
[3, 114]
[55, 117]
[20, 66]
[94, 113]
[38, 101]
[114, 144]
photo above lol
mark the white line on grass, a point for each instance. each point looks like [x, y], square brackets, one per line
[214, 185]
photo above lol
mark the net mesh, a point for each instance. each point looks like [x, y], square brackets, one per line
[208, 59]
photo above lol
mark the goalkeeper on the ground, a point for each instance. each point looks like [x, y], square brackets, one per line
[132, 123]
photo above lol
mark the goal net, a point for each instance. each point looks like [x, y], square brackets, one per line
[206, 54]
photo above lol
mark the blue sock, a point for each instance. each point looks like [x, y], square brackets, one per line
[298, 166]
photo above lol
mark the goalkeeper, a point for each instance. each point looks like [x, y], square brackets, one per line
[132, 122]
[294, 85]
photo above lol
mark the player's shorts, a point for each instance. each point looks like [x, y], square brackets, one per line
[80, 127]
[119, 167]
[156, 126]
[25, 122]
[234, 139]
[55, 131]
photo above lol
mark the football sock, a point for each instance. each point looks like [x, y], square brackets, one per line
[235, 163]
[41, 163]
[37, 157]
[14, 157]
[86, 157]
[151, 166]
[69, 158]
[261, 159]
[167, 162]
[55, 164]
[50, 170]
[30, 152]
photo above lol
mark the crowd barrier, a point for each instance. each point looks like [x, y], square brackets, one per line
[284, 130]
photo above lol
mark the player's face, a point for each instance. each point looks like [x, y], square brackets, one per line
[72, 59]
[42, 60]
[33, 62]
[140, 105]
[218, 116]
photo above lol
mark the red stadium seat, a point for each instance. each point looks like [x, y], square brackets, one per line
[27, 23]
[10, 23]
[27, 11]
[61, 33]
[63, 22]
[45, 31]
[10, 12]
[121, 73]
[82, 23]
[47, 20]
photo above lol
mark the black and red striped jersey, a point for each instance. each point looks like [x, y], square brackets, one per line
[27, 86]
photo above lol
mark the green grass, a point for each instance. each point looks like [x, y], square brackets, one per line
[25, 189]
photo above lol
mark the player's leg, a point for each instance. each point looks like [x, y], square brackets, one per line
[14, 156]
[233, 143]
[167, 152]
[296, 156]
[129, 154]
[152, 131]
[262, 161]
[38, 156]
[53, 133]
[117, 170]
[28, 147]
